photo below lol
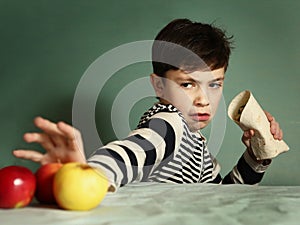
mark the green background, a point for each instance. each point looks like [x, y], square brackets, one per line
[46, 47]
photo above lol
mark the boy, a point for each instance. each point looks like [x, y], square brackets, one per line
[189, 63]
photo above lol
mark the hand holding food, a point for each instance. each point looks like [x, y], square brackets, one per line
[247, 113]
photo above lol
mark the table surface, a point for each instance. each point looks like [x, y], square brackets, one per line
[152, 203]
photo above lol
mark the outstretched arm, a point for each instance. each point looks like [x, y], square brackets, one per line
[62, 143]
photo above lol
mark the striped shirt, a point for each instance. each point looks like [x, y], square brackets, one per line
[163, 149]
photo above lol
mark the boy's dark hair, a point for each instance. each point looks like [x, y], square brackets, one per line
[190, 46]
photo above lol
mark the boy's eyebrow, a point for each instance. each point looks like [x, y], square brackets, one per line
[185, 79]
[194, 80]
[218, 79]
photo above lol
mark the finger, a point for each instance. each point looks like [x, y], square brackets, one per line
[28, 154]
[252, 132]
[67, 130]
[278, 134]
[60, 134]
[276, 130]
[41, 138]
[269, 116]
[56, 136]
[47, 126]
[73, 135]
[248, 133]
[281, 134]
[274, 127]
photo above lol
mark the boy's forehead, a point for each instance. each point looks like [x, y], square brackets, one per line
[197, 75]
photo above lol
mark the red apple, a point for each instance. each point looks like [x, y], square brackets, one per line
[44, 181]
[17, 186]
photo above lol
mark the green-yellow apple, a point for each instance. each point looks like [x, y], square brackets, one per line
[17, 186]
[44, 182]
[78, 186]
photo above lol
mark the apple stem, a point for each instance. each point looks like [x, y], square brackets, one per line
[85, 166]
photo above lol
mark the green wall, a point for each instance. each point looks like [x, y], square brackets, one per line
[46, 47]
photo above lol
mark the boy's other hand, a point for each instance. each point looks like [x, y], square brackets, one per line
[62, 143]
[274, 129]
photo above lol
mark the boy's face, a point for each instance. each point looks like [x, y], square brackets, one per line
[195, 94]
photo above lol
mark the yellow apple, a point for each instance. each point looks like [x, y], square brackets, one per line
[78, 186]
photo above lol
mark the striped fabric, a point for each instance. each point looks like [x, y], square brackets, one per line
[191, 163]
[163, 149]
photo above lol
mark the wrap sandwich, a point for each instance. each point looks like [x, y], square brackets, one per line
[245, 111]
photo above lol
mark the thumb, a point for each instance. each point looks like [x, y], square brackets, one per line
[248, 133]
[247, 136]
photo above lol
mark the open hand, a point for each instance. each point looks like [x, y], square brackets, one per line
[62, 143]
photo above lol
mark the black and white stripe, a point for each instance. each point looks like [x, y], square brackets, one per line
[161, 149]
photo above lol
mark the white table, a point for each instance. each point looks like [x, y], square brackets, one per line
[150, 203]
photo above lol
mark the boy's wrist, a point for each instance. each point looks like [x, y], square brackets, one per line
[257, 165]
[264, 162]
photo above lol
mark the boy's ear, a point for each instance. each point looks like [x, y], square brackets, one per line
[157, 83]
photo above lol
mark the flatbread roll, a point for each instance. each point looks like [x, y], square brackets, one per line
[247, 113]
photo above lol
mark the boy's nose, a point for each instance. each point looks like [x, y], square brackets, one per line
[201, 99]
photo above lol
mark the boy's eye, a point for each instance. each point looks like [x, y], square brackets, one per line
[187, 85]
[215, 85]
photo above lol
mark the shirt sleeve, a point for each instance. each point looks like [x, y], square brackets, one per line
[247, 171]
[134, 158]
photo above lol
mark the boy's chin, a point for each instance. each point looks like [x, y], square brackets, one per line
[196, 127]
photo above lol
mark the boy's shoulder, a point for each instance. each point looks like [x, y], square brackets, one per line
[165, 117]
[164, 113]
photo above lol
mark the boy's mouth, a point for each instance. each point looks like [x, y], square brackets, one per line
[200, 116]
